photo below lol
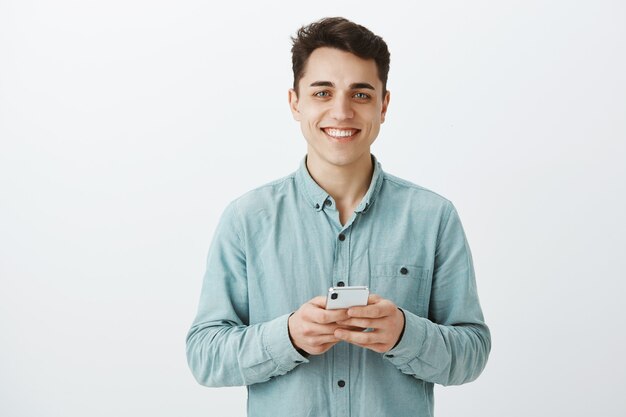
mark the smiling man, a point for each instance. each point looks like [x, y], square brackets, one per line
[340, 103]
[339, 220]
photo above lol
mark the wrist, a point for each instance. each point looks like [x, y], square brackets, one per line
[403, 327]
[293, 343]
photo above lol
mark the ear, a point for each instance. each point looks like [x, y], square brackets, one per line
[385, 105]
[293, 104]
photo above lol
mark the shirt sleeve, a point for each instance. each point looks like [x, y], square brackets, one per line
[222, 348]
[452, 345]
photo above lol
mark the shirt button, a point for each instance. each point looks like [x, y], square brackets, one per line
[404, 271]
[317, 206]
[390, 356]
[341, 383]
[340, 284]
[328, 203]
[342, 237]
[298, 361]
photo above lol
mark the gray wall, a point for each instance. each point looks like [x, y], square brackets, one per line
[127, 126]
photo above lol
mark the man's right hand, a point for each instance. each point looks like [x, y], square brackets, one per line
[312, 327]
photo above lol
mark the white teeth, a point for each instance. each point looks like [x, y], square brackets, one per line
[338, 133]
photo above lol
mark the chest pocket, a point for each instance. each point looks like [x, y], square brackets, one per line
[406, 285]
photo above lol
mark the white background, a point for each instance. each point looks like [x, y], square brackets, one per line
[126, 126]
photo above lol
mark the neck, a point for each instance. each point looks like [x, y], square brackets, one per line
[346, 184]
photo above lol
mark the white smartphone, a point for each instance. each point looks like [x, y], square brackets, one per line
[346, 297]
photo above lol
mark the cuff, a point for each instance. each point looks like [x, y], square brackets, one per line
[277, 343]
[411, 341]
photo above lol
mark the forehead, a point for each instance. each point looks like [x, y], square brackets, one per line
[340, 67]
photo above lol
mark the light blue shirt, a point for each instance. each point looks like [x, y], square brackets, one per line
[282, 244]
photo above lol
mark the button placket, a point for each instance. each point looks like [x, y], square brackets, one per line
[341, 351]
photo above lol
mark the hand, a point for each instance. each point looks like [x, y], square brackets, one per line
[312, 327]
[381, 315]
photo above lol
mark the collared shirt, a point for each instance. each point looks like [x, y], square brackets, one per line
[282, 244]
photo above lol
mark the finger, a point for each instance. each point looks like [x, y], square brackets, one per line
[382, 308]
[363, 338]
[376, 347]
[360, 322]
[309, 329]
[373, 299]
[337, 314]
[321, 340]
[372, 311]
[319, 314]
[355, 328]
[319, 301]
[322, 316]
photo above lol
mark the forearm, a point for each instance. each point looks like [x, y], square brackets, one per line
[225, 354]
[223, 348]
[442, 354]
[452, 345]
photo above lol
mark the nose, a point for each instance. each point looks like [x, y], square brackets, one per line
[342, 108]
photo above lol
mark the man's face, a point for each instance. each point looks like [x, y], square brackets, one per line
[340, 107]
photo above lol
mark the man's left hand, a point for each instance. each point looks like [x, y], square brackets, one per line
[380, 315]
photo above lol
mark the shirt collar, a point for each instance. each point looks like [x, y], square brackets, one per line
[318, 197]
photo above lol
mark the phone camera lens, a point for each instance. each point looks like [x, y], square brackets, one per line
[334, 296]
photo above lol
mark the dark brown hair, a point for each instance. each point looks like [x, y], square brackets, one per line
[340, 33]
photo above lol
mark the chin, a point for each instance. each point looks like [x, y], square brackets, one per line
[341, 160]
[338, 157]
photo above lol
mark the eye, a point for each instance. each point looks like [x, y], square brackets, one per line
[362, 96]
[321, 94]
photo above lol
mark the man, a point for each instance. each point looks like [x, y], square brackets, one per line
[339, 220]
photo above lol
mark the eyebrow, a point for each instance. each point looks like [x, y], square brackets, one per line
[353, 86]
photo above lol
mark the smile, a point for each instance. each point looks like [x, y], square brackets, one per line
[340, 133]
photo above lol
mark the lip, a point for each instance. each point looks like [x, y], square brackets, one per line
[341, 139]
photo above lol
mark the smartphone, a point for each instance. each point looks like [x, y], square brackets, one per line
[345, 297]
